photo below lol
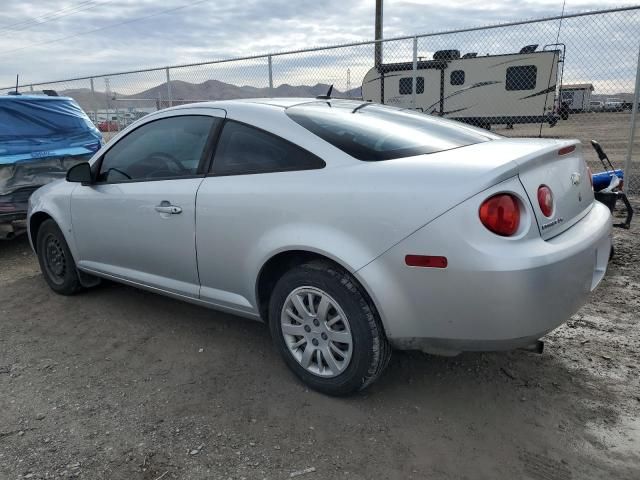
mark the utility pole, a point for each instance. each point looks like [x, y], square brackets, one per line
[378, 34]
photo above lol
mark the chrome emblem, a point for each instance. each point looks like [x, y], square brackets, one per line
[575, 178]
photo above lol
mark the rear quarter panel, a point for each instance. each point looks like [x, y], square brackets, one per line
[351, 214]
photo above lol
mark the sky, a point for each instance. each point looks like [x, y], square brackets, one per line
[46, 40]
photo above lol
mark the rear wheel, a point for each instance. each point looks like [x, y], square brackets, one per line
[56, 262]
[326, 329]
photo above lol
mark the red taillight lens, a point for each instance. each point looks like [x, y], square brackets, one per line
[545, 200]
[566, 150]
[426, 261]
[501, 214]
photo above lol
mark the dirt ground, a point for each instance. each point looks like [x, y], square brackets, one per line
[117, 383]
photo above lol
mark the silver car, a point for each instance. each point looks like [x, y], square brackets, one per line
[350, 228]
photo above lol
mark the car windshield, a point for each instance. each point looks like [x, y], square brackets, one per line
[373, 132]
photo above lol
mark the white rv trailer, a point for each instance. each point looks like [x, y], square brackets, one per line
[576, 97]
[481, 90]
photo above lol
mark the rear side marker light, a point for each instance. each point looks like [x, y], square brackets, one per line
[501, 214]
[545, 200]
[566, 150]
[426, 261]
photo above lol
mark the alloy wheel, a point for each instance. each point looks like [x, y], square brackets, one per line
[316, 332]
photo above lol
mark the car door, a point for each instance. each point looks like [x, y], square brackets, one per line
[136, 222]
[237, 203]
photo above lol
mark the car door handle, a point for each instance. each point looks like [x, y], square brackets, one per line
[166, 207]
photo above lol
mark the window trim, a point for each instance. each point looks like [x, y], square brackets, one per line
[205, 157]
[211, 172]
[535, 80]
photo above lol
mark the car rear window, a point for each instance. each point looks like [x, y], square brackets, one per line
[373, 132]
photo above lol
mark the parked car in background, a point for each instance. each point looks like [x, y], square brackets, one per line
[349, 227]
[109, 126]
[614, 105]
[596, 106]
[40, 138]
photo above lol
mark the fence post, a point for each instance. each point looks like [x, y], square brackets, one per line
[107, 87]
[31, 88]
[415, 72]
[93, 99]
[270, 76]
[169, 97]
[632, 128]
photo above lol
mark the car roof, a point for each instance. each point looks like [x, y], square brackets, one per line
[42, 98]
[282, 103]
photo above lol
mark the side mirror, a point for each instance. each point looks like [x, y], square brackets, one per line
[80, 173]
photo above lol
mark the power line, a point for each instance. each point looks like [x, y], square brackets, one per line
[42, 20]
[24, 24]
[60, 39]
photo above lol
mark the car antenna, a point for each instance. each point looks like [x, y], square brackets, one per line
[327, 96]
[11, 92]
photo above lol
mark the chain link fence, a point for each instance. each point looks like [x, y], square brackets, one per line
[570, 77]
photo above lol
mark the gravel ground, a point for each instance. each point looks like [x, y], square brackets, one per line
[117, 383]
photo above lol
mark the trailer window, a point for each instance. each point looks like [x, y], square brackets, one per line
[457, 77]
[406, 85]
[521, 78]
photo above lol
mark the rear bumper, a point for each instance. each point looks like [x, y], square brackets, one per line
[14, 205]
[495, 294]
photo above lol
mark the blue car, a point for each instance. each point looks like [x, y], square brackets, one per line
[41, 137]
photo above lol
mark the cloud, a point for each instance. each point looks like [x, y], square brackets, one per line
[216, 30]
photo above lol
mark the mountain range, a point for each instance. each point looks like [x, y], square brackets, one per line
[185, 92]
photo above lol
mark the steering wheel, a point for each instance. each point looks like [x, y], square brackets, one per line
[171, 163]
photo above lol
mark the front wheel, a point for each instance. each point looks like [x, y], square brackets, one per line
[56, 262]
[326, 329]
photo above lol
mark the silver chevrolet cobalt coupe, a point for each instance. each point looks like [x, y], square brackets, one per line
[350, 228]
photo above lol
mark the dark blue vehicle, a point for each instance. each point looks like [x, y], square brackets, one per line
[41, 137]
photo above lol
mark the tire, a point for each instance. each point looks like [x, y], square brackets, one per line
[56, 262]
[359, 362]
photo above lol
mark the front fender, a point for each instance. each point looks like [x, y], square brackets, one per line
[54, 200]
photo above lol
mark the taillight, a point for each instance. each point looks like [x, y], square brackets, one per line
[501, 214]
[566, 150]
[545, 200]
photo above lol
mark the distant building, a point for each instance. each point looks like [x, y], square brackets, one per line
[124, 116]
[577, 96]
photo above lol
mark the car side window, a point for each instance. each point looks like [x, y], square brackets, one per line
[166, 148]
[243, 150]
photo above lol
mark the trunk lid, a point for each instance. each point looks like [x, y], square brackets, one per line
[567, 176]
